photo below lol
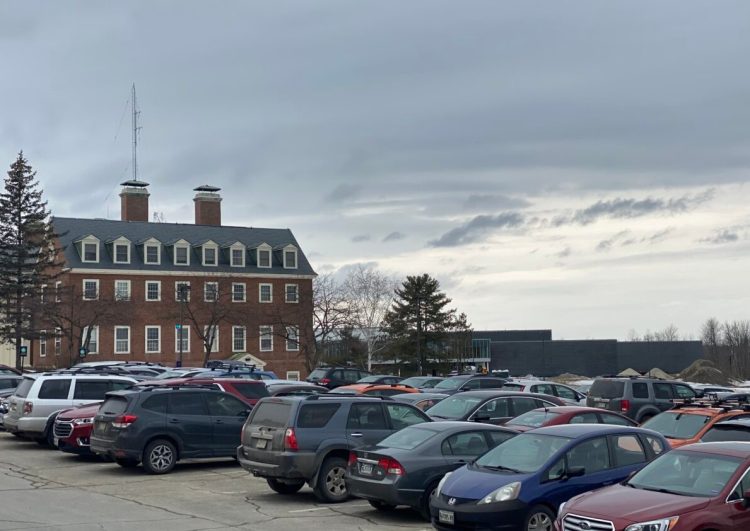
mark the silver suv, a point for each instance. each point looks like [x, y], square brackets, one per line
[40, 397]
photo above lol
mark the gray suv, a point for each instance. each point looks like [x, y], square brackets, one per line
[294, 440]
[637, 398]
[40, 397]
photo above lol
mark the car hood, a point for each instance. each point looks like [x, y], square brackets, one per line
[640, 505]
[473, 483]
[520, 428]
[80, 412]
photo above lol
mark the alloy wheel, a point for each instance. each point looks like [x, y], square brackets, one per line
[335, 483]
[539, 522]
[161, 457]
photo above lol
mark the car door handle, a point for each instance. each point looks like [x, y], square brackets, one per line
[356, 435]
[219, 421]
[174, 421]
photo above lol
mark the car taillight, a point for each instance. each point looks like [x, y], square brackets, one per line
[324, 381]
[352, 458]
[624, 405]
[391, 466]
[123, 421]
[28, 407]
[290, 440]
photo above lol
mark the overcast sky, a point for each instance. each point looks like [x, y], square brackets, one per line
[577, 165]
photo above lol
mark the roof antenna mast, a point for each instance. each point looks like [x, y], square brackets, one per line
[136, 127]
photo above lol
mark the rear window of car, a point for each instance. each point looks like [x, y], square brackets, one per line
[407, 439]
[316, 415]
[677, 425]
[8, 383]
[55, 389]
[22, 391]
[533, 419]
[607, 389]
[249, 390]
[721, 433]
[271, 414]
[114, 406]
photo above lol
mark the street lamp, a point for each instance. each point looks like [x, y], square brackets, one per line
[183, 291]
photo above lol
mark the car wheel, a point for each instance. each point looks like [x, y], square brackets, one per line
[284, 488]
[424, 506]
[380, 506]
[540, 518]
[331, 484]
[159, 457]
[126, 463]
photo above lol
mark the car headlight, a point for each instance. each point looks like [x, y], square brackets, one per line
[81, 422]
[440, 485]
[506, 493]
[561, 508]
[664, 524]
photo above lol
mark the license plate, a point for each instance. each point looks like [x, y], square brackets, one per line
[602, 403]
[55, 441]
[446, 517]
[365, 469]
[261, 443]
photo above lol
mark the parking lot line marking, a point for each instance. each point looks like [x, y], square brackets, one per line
[309, 510]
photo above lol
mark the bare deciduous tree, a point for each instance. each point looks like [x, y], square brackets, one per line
[331, 311]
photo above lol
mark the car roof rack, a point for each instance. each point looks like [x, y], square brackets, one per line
[151, 388]
[326, 396]
[101, 369]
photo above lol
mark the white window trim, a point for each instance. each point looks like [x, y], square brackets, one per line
[296, 257]
[114, 347]
[215, 344]
[96, 333]
[42, 292]
[260, 338]
[286, 339]
[236, 247]
[177, 339]
[145, 339]
[58, 285]
[58, 341]
[120, 241]
[145, 294]
[152, 243]
[286, 297]
[205, 291]
[177, 290]
[182, 244]
[244, 291]
[42, 342]
[89, 240]
[293, 375]
[244, 338]
[264, 247]
[260, 293]
[130, 293]
[206, 246]
[83, 289]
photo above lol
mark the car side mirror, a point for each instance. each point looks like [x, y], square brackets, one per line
[481, 418]
[245, 413]
[746, 498]
[575, 471]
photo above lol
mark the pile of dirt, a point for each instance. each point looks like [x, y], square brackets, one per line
[569, 377]
[704, 371]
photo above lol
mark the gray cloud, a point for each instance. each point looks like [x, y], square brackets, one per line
[478, 227]
[394, 236]
[722, 236]
[492, 203]
[658, 236]
[606, 245]
[564, 253]
[361, 238]
[343, 192]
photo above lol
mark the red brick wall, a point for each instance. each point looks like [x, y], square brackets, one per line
[134, 207]
[207, 212]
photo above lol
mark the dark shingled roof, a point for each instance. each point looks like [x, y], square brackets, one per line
[72, 230]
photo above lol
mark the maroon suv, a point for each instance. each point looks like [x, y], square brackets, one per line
[72, 429]
[694, 488]
[249, 391]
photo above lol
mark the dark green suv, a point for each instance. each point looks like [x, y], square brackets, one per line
[637, 398]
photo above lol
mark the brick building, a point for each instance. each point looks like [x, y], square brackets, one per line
[158, 285]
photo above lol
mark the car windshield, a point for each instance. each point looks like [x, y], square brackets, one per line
[676, 424]
[454, 407]
[318, 374]
[450, 383]
[407, 438]
[607, 389]
[416, 381]
[534, 419]
[727, 432]
[686, 474]
[524, 453]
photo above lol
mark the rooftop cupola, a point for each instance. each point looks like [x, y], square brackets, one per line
[134, 201]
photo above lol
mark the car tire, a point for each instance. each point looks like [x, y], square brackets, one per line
[284, 488]
[540, 518]
[159, 457]
[381, 506]
[126, 463]
[330, 486]
[424, 506]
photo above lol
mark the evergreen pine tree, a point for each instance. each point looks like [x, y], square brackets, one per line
[27, 252]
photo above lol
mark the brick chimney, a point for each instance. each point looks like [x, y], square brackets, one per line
[134, 201]
[207, 205]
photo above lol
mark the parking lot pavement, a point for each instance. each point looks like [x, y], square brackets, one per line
[46, 489]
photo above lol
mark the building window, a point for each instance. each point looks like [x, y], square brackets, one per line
[42, 294]
[264, 257]
[58, 341]
[90, 289]
[151, 254]
[292, 338]
[90, 252]
[265, 293]
[266, 338]
[42, 343]
[209, 255]
[122, 253]
[292, 293]
[93, 347]
[211, 291]
[153, 290]
[181, 255]
[153, 339]
[182, 291]
[122, 290]
[237, 257]
[58, 289]
[182, 333]
[290, 258]
[292, 375]
[238, 292]
[212, 337]
[239, 334]
[122, 340]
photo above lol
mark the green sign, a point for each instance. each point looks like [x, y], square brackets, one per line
[82, 352]
[23, 351]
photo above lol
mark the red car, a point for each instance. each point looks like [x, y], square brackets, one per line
[698, 487]
[536, 418]
[247, 390]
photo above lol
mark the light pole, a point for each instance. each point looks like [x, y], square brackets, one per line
[183, 290]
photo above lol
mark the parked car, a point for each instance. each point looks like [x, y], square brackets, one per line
[423, 401]
[295, 389]
[687, 423]
[520, 483]
[728, 430]
[9, 382]
[231, 372]
[422, 382]
[374, 389]
[4, 406]
[404, 468]
[294, 440]
[333, 377]
[40, 397]
[637, 398]
[468, 382]
[249, 391]
[386, 379]
[712, 391]
[697, 487]
[182, 372]
[568, 394]
[492, 407]
[552, 416]
[72, 429]
[5, 369]
[157, 426]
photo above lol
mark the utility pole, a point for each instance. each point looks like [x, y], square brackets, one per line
[136, 127]
[419, 335]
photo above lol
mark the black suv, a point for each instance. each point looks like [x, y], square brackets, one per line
[637, 398]
[333, 377]
[157, 426]
[468, 382]
[295, 440]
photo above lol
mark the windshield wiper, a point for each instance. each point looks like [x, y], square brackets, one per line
[654, 489]
[500, 467]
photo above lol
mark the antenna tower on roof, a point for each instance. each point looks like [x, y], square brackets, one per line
[136, 127]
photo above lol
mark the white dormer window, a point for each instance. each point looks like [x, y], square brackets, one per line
[264, 255]
[152, 252]
[210, 254]
[290, 257]
[90, 250]
[237, 255]
[121, 251]
[182, 253]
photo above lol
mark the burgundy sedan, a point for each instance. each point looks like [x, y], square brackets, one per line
[537, 418]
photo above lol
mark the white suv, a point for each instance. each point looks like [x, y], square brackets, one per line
[568, 394]
[40, 397]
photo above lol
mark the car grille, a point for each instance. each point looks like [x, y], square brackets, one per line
[63, 429]
[582, 523]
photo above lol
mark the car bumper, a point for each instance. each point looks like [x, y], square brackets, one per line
[501, 516]
[384, 491]
[288, 465]
[31, 426]
[112, 449]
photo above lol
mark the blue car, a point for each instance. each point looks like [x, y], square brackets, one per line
[521, 483]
